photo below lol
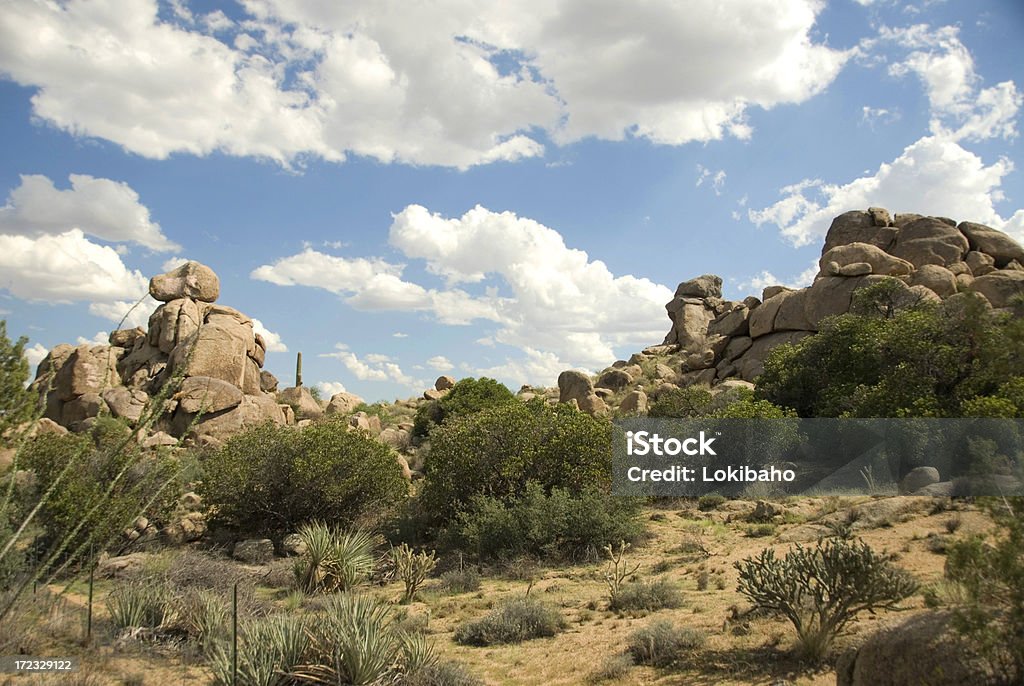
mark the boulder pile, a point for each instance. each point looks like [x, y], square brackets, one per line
[211, 348]
[713, 339]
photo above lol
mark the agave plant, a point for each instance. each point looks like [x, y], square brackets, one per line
[269, 650]
[352, 643]
[136, 605]
[334, 560]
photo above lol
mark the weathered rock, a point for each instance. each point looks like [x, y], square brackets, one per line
[924, 649]
[125, 403]
[706, 286]
[343, 403]
[48, 426]
[292, 545]
[634, 402]
[703, 377]
[665, 373]
[996, 244]
[699, 360]
[1000, 286]
[254, 551]
[77, 410]
[433, 394]
[919, 478]
[792, 314]
[189, 528]
[762, 320]
[367, 422]
[125, 338]
[858, 227]
[731, 323]
[88, 369]
[930, 241]
[604, 393]
[980, 263]
[574, 385]
[880, 261]
[207, 394]
[173, 322]
[880, 216]
[396, 438]
[855, 269]
[690, 320]
[190, 280]
[122, 566]
[737, 346]
[593, 405]
[751, 364]
[935, 278]
[832, 295]
[217, 350]
[923, 294]
[772, 291]
[268, 382]
[158, 439]
[614, 379]
[444, 382]
[302, 401]
[219, 426]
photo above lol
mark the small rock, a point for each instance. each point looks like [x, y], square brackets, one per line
[254, 551]
[292, 545]
[919, 478]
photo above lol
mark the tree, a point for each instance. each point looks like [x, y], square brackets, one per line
[464, 398]
[820, 590]
[16, 401]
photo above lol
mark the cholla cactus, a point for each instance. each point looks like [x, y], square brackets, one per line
[412, 568]
[618, 570]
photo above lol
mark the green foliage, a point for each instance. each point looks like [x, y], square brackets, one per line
[662, 643]
[990, 577]
[748, 408]
[93, 486]
[379, 410]
[12, 564]
[16, 402]
[412, 568]
[516, 621]
[334, 560]
[140, 605]
[204, 617]
[497, 451]
[272, 479]
[820, 590]
[691, 401]
[710, 501]
[560, 526]
[921, 360]
[466, 397]
[269, 648]
[646, 596]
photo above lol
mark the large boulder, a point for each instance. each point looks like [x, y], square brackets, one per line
[853, 253]
[614, 379]
[860, 227]
[937, 279]
[734, 322]
[762, 319]
[999, 287]
[996, 244]
[190, 280]
[343, 403]
[574, 385]
[705, 286]
[173, 322]
[88, 369]
[302, 401]
[252, 411]
[930, 240]
[217, 350]
[125, 403]
[206, 394]
[690, 319]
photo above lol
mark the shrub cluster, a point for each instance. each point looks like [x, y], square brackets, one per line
[466, 397]
[662, 643]
[646, 596]
[516, 621]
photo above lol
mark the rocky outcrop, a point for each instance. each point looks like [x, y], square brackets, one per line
[210, 349]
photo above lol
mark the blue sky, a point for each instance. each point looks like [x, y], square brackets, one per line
[509, 189]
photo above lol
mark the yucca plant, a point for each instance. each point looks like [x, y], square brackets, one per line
[140, 605]
[334, 560]
[417, 653]
[204, 617]
[412, 568]
[352, 643]
[269, 650]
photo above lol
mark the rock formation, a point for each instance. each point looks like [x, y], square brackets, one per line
[211, 349]
[712, 340]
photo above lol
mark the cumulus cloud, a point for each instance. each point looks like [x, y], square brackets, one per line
[442, 82]
[329, 389]
[766, 278]
[100, 338]
[934, 176]
[35, 354]
[440, 363]
[172, 263]
[273, 340]
[717, 178]
[101, 208]
[132, 313]
[372, 367]
[534, 367]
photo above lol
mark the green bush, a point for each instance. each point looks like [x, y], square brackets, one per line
[820, 590]
[93, 486]
[646, 596]
[557, 526]
[272, 479]
[989, 574]
[688, 402]
[17, 403]
[710, 501]
[466, 397]
[497, 451]
[662, 643]
[516, 621]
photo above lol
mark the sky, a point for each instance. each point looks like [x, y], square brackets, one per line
[400, 190]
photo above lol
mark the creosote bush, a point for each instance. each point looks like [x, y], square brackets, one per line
[821, 589]
[516, 621]
[464, 398]
[646, 596]
[460, 581]
[662, 643]
[270, 480]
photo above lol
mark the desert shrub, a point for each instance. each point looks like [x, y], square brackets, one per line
[495, 452]
[447, 673]
[691, 401]
[269, 649]
[12, 564]
[460, 581]
[646, 596]
[990, 576]
[464, 398]
[271, 479]
[145, 605]
[412, 568]
[710, 501]
[662, 643]
[17, 403]
[516, 621]
[559, 526]
[334, 560]
[92, 486]
[820, 590]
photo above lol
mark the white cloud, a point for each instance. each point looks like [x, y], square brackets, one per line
[766, 278]
[66, 268]
[443, 82]
[273, 340]
[102, 208]
[173, 263]
[717, 178]
[35, 354]
[329, 389]
[440, 363]
[373, 367]
[535, 367]
[399, 334]
[934, 176]
[101, 338]
[133, 313]
[872, 116]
